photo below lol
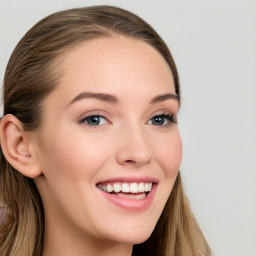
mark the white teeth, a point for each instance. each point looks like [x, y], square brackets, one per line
[141, 187]
[148, 187]
[117, 188]
[125, 187]
[134, 188]
[109, 188]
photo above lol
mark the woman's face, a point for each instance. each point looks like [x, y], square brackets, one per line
[109, 125]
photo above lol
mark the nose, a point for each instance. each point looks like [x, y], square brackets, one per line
[134, 147]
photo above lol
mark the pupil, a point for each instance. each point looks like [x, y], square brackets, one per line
[94, 120]
[158, 120]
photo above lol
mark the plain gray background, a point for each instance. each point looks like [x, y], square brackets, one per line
[214, 46]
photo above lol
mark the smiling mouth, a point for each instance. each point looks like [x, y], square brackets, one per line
[131, 190]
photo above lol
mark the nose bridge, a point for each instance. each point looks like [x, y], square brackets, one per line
[134, 146]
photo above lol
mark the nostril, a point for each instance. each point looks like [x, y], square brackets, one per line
[130, 161]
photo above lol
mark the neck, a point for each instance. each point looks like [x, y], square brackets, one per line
[86, 249]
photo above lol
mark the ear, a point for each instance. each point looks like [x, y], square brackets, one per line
[17, 146]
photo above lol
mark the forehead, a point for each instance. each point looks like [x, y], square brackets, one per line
[117, 65]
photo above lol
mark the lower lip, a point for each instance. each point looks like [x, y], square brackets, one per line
[131, 204]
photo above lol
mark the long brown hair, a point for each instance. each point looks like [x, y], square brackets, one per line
[30, 76]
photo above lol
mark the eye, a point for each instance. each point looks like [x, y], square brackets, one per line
[94, 120]
[162, 120]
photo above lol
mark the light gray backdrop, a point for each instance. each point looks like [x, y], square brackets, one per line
[214, 45]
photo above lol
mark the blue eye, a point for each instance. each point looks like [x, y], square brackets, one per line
[94, 120]
[162, 120]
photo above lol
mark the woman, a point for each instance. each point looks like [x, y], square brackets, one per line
[90, 143]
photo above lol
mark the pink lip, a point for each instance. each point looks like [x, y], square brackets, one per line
[131, 179]
[131, 204]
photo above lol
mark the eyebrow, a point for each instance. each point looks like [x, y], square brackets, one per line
[114, 100]
[100, 96]
[164, 97]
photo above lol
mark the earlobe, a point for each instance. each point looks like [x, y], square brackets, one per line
[16, 146]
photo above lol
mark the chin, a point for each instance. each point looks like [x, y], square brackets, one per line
[137, 236]
[141, 239]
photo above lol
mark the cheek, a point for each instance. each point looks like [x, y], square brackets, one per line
[76, 156]
[169, 155]
[70, 165]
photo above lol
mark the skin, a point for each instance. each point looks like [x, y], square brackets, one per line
[72, 156]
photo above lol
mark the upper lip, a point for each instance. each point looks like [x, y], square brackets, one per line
[130, 179]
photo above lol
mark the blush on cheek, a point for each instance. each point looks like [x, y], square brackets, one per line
[171, 157]
[79, 158]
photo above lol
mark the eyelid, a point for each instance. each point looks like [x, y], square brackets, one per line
[163, 112]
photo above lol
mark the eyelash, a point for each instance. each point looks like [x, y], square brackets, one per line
[85, 120]
[167, 116]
